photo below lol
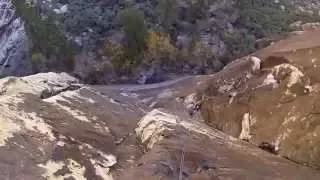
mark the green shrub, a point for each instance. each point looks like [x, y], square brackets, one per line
[36, 57]
[197, 10]
[266, 18]
[84, 14]
[239, 43]
[129, 56]
[116, 53]
[159, 48]
[45, 36]
[167, 13]
[135, 30]
[259, 19]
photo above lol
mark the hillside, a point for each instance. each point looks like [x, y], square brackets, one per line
[159, 89]
[255, 119]
[141, 41]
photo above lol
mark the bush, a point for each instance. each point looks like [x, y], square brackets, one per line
[259, 19]
[135, 30]
[84, 14]
[117, 55]
[263, 18]
[168, 13]
[126, 58]
[266, 18]
[239, 43]
[36, 57]
[45, 36]
[201, 54]
[159, 48]
[197, 10]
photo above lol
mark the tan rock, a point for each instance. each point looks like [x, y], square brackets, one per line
[281, 100]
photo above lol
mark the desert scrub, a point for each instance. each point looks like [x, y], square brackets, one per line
[197, 10]
[168, 14]
[85, 14]
[263, 18]
[239, 43]
[201, 54]
[45, 36]
[267, 18]
[259, 19]
[125, 58]
[36, 57]
[117, 56]
[159, 48]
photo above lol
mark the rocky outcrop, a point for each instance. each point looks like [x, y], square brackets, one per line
[52, 127]
[274, 107]
[49, 132]
[13, 42]
[181, 149]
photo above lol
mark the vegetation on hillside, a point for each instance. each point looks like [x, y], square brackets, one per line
[263, 18]
[127, 57]
[147, 47]
[135, 30]
[193, 36]
[168, 14]
[259, 19]
[86, 14]
[46, 39]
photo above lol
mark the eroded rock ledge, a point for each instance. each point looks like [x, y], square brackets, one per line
[181, 148]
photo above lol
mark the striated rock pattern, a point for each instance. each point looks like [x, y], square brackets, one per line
[52, 127]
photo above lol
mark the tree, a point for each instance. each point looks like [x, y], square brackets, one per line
[45, 36]
[135, 30]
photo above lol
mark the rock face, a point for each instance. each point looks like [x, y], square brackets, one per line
[275, 107]
[178, 148]
[52, 127]
[37, 143]
[13, 42]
